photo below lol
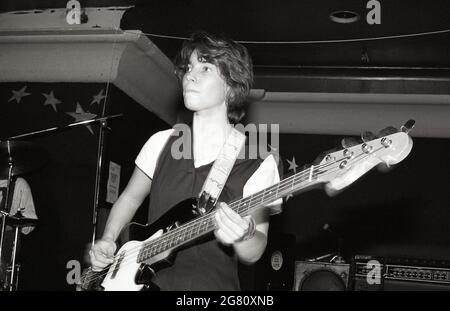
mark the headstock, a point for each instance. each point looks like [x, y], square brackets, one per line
[341, 168]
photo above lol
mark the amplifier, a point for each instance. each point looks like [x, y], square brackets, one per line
[321, 276]
[391, 274]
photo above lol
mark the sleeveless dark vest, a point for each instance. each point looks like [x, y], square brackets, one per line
[207, 265]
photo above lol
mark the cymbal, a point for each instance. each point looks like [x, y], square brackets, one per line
[25, 157]
[15, 221]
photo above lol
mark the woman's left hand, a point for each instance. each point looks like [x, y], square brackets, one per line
[231, 227]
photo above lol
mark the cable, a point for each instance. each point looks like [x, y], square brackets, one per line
[307, 41]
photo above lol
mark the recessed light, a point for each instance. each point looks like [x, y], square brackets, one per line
[344, 17]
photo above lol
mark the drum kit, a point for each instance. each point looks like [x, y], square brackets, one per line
[18, 158]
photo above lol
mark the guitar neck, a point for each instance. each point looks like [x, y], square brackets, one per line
[205, 224]
[339, 168]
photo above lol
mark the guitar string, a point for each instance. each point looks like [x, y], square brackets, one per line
[139, 248]
[128, 259]
[204, 217]
[100, 273]
[255, 199]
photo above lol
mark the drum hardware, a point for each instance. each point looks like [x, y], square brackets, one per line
[21, 157]
[58, 129]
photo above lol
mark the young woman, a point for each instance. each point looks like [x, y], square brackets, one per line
[216, 76]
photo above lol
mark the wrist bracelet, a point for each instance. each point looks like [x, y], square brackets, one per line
[250, 232]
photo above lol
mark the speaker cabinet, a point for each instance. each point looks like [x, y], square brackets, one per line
[321, 276]
[400, 274]
[275, 270]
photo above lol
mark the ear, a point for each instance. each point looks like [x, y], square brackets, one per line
[228, 93]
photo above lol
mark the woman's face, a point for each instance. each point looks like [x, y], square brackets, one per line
[203, 86]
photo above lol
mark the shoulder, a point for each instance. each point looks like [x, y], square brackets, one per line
[148, 156]
[265, 176]
[20, 183]
[267, 170]
[157, 141]
[159, 138]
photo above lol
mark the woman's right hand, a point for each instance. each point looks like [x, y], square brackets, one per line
[102, 254]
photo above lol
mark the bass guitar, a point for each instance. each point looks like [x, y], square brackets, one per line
[136, 262]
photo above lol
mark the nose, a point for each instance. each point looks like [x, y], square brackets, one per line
[190, 77]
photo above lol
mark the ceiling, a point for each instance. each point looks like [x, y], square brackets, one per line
[307, 68]
[295, 45]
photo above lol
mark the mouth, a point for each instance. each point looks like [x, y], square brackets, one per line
[190, 91]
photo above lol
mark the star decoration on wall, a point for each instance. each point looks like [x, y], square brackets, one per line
[50, 99]
[292, 165]
[98, 98]
[81, 115]
[17, 95]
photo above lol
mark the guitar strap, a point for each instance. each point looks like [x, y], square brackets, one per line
[221, 169]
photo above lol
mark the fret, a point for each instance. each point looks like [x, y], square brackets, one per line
[293, 182]
[270, 195]
[242, 207]
[162, 246]
[199, 227]
[202, 226]
[249, 203]
[193, 227]
[189, 232]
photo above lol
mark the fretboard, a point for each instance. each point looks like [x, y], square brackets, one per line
[205, 224]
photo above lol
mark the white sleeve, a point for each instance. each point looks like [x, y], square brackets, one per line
[148, 156]
[23, 201]
[265, 176]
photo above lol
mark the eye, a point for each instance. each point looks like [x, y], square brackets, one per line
[206, 68]
[188, 68]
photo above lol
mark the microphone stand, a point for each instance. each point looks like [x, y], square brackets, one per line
[4, 213]
[100, 151]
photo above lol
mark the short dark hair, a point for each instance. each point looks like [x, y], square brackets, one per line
[233, 61]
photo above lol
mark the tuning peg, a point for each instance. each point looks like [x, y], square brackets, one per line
[348, 142]
[367, 136]
[387, 131]
[408, 126]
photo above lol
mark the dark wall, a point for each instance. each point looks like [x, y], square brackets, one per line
[400, 213]
[63, 189]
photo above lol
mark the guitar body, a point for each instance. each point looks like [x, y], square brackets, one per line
[126, 273]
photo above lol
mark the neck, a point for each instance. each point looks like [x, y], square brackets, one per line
[212, 123]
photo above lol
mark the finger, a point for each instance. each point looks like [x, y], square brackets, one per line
[222, 237]
[233, 216]
[230, 229]
[100, 257]
[239, 227]
[96, 265]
